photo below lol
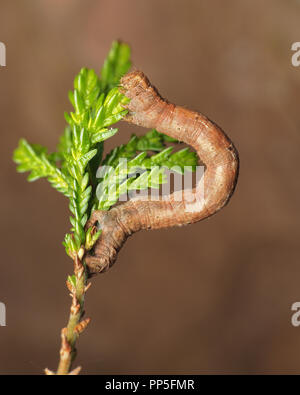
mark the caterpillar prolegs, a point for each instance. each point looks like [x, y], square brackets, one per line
[148, 109]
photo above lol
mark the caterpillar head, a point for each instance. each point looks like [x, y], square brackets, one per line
[143, 98]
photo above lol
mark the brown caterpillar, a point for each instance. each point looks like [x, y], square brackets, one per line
[147, 108]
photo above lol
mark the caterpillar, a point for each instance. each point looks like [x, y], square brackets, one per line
[148, 109]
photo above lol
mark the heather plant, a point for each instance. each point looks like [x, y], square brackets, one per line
[92, 181]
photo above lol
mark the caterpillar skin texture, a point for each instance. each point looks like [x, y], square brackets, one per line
[148, 109]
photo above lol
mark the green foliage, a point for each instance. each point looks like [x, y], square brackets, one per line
[34, 158]
[115, 66]
[97, 104]
[91, 237]
[151, 141]
[137, 165]
[65, 143]
[177, 161]
[125, 168]
[72, 280]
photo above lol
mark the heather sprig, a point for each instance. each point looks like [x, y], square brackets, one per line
[77, 170]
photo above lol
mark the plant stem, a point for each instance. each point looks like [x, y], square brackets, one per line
[75, 326]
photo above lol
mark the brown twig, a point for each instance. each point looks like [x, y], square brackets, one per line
[147, 108]
[76, 325]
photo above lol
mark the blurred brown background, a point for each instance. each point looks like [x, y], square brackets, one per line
[214, 297]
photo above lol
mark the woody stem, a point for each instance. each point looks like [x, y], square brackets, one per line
[72, 331]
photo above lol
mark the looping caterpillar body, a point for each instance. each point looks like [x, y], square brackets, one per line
[148, 109]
